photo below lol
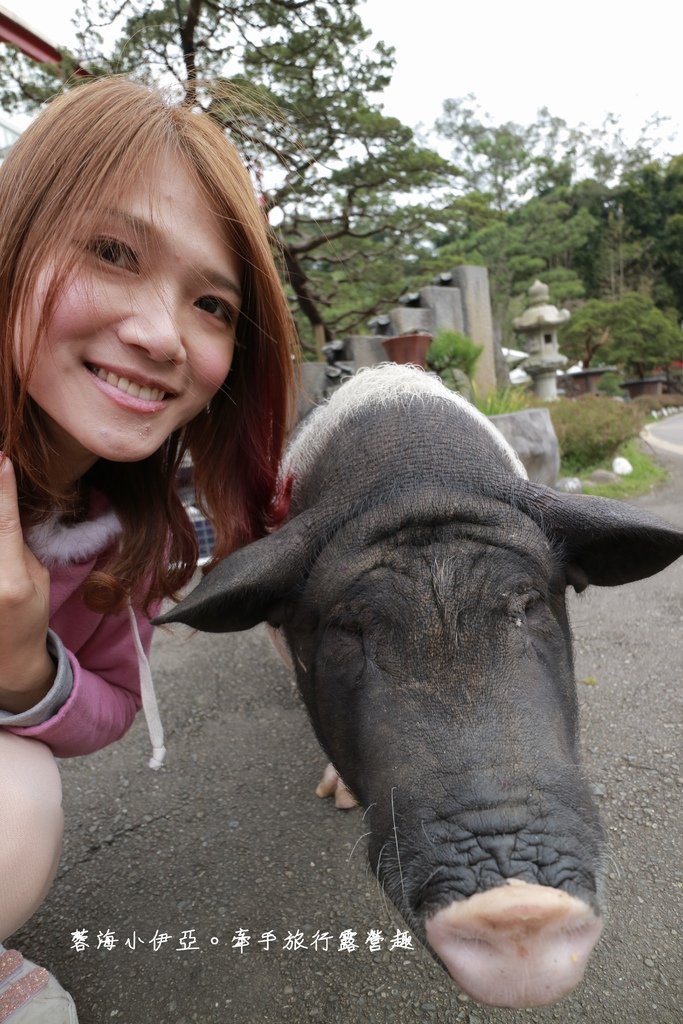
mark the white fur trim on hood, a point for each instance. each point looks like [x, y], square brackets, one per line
[55, 542]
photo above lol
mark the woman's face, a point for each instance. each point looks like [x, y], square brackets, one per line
[142, 334]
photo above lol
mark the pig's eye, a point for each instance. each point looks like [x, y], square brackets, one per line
[531, 600]
[526, 607]
[342, 653]
[349, 629]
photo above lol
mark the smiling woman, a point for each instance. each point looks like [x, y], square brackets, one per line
[142, 323]
[135, 347]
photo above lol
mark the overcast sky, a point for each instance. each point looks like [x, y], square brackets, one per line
[581, 59]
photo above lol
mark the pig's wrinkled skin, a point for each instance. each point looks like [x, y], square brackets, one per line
[419, 580]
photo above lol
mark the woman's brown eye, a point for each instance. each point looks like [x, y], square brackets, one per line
[216, 308]
[118, 254]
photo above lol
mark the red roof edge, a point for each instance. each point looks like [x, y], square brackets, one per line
[30, 43]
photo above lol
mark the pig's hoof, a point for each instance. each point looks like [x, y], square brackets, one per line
[332, 784]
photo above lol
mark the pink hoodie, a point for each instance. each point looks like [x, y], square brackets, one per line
[100, 659]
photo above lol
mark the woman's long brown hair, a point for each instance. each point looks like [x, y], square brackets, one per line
[78, 159]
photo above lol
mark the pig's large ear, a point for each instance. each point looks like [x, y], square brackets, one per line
[606, 542]
[244, 588]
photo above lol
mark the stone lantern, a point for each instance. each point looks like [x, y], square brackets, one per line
[538, 323]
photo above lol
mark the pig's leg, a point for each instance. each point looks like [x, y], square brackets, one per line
[332, 784]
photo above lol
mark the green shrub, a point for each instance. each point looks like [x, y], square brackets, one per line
[591, 428]
[511, 399]
[609, 385]
[646, 475]
[655, 403]
[450, 351]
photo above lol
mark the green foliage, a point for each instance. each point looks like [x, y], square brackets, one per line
[590, 429]
[292, 83]
[642, 337]
[655, 403]
[450, 351]
[591, 216]
[652, 201]
[609, 385]
[646, 475]
[511, 161]
[586, 332]
[630, 332]
[503, 400]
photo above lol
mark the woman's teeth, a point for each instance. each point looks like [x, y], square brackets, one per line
[128, 387]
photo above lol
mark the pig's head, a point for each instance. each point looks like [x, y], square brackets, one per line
[420, 583]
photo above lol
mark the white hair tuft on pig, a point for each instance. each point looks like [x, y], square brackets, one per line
[383, 385]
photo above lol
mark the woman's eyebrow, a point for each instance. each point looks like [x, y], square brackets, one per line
[219, 281]
[144, 227]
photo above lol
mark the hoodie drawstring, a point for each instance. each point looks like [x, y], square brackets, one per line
[149, 697]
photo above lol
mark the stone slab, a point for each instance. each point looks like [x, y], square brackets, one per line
[311, 387]
[365, 350]
[411, 318]
[446, 305]
[473, 283]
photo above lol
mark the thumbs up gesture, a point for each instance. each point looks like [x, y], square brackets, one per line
[26, 669]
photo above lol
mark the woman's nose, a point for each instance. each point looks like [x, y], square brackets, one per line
[155, 327]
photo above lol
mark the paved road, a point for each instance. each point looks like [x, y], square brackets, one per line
[229, 835]
[666, 435]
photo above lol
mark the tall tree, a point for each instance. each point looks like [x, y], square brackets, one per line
[291, 82]
[541, 238]
[631, 332]
[652, 203]
[562, 203]
[642, 337]
[511, 162]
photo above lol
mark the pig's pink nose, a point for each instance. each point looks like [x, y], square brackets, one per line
[516, 945]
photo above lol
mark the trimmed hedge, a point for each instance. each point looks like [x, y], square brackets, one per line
[590, 429]
[656, 403]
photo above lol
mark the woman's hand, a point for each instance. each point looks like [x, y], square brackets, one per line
[26, 669]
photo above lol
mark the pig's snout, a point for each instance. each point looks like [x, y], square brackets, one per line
[517, 945]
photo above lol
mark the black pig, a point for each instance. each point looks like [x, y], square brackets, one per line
[419, 580]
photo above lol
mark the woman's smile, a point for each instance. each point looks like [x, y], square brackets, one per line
[130, 384]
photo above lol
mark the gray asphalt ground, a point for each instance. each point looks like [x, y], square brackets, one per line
[229, 835]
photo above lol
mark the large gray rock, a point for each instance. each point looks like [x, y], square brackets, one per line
[604, 476]
[532, 435]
